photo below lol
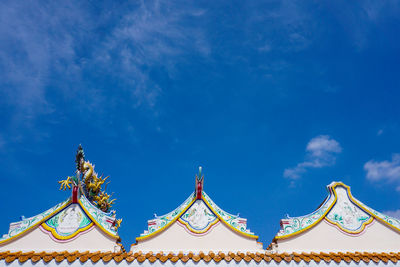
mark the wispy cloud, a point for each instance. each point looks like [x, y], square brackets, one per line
[361, 19]
[321, 151]
[386, 170]
[292, 18]
[299, 29]
[35, 41]
[52, 55]
[41, 41]
[156, 35]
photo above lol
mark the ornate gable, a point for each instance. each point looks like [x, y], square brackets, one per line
[198, 215]
[87, 209]
[351, 219]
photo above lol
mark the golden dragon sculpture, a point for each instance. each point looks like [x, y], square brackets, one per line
[90, 184]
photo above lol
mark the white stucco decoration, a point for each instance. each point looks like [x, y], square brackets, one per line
[199, 216]
[347, 214]
[341, 224]
[66, 226]
[70, 219]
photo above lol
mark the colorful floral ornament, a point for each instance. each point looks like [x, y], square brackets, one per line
[76, 215]
[22, 227]
[346, 215]
[341, 209]
[68, 223]
[198, 219]
[105, 221]
[198, 214]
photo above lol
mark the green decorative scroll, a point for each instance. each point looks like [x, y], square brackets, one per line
[20, 227]
[340, 209]
[296, 224]
[161, 221]
[103, 220]
[198, 218]
[347, 215]
[68, 222]
[387, 219]
[234, 221]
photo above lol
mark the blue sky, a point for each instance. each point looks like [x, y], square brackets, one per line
[274, 99]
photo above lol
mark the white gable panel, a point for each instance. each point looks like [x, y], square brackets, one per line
[39, 240]
[325, 237]
[176, 238]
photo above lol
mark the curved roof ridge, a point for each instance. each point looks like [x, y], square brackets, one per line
[354, 222]
[385, 219]
[234, 222]
[210, 201]
[311, 213]
[183, 205]
[295, 225]
[160, 223]
[18, 229]
[105, 221]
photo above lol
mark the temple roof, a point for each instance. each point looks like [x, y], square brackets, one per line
[210, 258]
[48, 221]
[88, 206]
[198, 214]
[183, 213]
[340, 209]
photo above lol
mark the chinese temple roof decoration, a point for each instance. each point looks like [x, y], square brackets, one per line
[17, 229]
[89, 184]
[79, 214]
[198, 214]
[201, 259]
[340, 209]
[199, 184]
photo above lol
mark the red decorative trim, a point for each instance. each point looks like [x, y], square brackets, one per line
[199, 188]
[75, 194]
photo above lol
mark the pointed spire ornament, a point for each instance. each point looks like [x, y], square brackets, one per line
[79, 158]
[199, 184]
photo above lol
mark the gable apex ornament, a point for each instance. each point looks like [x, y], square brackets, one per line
[199, 183]
[87, 208]
[88, 183]
[197, 216]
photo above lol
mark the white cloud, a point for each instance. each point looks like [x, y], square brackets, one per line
[52, 54]
[292, 18]
[393, 213]
[384, 170]
[157, 35]
[321, 151]
[39, 42]
[35, 40]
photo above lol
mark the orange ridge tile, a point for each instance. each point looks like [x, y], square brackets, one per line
[216, 256]
[227, 258]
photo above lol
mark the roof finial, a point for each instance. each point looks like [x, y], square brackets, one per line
[199, 183]
[79, 158]
[200, 176]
